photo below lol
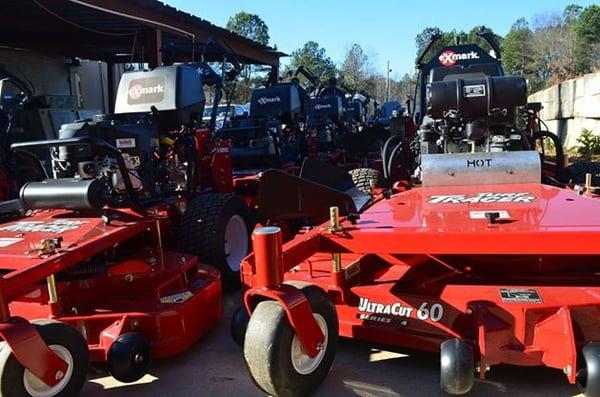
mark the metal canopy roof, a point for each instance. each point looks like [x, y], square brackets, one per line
[117, 30]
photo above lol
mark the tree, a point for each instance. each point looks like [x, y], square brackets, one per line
[451, 38]
[250, 26]
[587, 34]
[313, 58]
[423, 38]
[517, 51]
[588, 25]
[572, 13]
[473, 38]
[254, 28]
[400, 90]
[357, 70]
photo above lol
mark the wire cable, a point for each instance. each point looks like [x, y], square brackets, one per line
[49, 11]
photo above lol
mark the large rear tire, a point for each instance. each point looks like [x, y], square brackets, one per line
[366, 178]
[67, 343]
[273, 352]
[216, 228]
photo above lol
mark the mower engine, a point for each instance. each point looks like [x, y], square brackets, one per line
[153, 111]
[268, 137]
[326, 115]
[473, 115]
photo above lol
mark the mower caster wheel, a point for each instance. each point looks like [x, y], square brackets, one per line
[67, 343]
[129, 357]
[239, 324]
[274, 355]
[588, 376]
[457, 366]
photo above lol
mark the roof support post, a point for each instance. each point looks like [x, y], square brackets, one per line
[110, 74]
[153, 45]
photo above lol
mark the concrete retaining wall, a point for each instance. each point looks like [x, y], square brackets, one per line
[571, 106]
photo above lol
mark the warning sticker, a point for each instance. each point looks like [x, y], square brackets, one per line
[125, 143]
[177, 298]
[8, 241]
[474, 90]
[520, 295]
[481, 214]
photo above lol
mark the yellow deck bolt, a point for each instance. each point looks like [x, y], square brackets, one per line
[336, 261]
[52, 292]
[588, 182]
[334, 226]
[334, 219]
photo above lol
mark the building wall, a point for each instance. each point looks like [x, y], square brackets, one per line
[47, 73]
[93, 83]
[571, 106]
[51, 75]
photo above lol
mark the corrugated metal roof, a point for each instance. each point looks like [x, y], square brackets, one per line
[166, 9]
[68, 28]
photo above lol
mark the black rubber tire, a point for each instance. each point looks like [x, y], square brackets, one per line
[456, 367]
[365, 178]
[588, 376]
[129, 357]
[53, 333]
[267, 348]
[239, 324]
[202, 232]
[575, 173]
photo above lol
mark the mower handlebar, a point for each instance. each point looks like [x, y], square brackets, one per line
[487, 35]
[22, 85]
[84, 140]
[434, 37]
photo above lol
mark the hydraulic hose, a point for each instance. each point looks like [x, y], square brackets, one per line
[391, 159]
[384, 154]
[560, 154]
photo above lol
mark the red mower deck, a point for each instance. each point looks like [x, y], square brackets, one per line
[145, 290]
[431, 265]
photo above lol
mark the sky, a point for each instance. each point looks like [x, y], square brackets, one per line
[385, 29]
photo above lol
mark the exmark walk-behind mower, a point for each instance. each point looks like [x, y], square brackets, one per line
[477, 258]
[106, 253]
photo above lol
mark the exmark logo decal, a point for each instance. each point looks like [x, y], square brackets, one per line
[482, 198]
[57, 227]
[146, 90]
[448, 58]
[263, 100]
[319, 106]
[137, 91]
[389, 313]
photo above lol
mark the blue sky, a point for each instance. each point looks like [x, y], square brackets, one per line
[386, 29]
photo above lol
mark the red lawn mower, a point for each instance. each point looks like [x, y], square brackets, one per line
[482, 255]
[110, 252]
